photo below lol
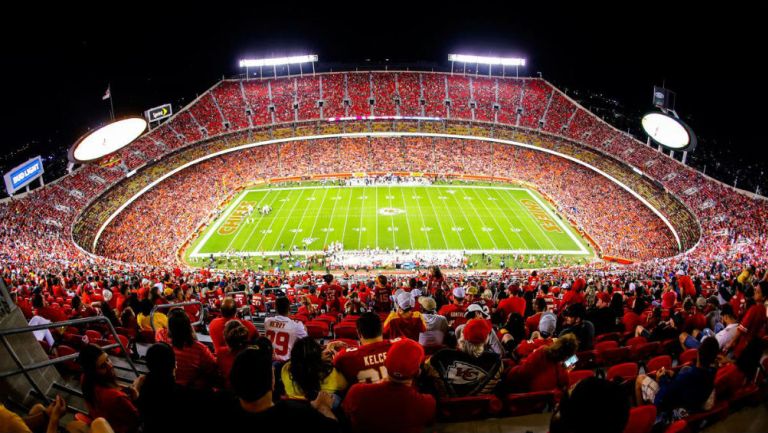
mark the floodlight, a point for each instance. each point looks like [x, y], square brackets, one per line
[503, 61]
[255, 63]
[668, 131]
[107, 139]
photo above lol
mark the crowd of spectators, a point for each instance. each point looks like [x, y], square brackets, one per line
[436, 342]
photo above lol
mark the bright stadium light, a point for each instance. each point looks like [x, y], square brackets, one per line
[107, 139]
[668, 131]
[502, 61]
[276, 61]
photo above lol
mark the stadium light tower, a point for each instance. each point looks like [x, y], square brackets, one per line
[517, 62]
[276, 61]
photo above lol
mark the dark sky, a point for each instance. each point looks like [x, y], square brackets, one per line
[57, 61]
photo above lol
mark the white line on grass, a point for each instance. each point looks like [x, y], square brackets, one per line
[527, 221]
[288, 218]
[407, 222]
[493, 217]
[509, 221]
[320, 210]
[346, 218]
[330, 220]
[437, 218]
[461, 208]
[558, 221]
[219, 222]
[258, 223]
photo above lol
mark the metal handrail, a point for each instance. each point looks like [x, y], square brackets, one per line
[178, 304]
[22, 369]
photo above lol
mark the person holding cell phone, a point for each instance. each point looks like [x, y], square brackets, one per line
[545, 369]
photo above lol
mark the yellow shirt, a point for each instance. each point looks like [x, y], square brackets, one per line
[334, 382]
[160, 319]
[11, 423]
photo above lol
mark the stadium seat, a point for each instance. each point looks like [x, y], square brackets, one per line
[575, 376]
[587, 359]
[688, 357]
[697, 419]
[93, 335]
[71, 366]
[644, 351]
[654, 364]
[627, 372]
[606, 345]
[635, 341]
[468, 408]
[641, 419]
[610, 336]
[317, 330]
[728, 380]
[679, 426]
[529, 402]
[610, 357]
[344, 330]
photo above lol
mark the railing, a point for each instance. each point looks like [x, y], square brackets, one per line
[6, 305]
[25, 369]
[200, 321]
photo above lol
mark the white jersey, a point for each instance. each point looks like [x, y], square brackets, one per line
[283, 333]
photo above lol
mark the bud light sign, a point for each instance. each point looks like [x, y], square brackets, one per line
[23, 175]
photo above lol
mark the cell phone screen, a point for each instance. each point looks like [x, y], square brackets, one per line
[571, 361]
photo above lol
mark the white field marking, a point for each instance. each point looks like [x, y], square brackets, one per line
[407, 221]
[282, 229]
[393, 229]
[319, 211]
[311, 198]
[296, 231]
[416, 197]
[457, 229]
[307, 253]
[481, 221]
[258, 223]
[442, 197]
[376, 219]
[469, 225]
[492, 217]
[440, 225]
[426, 229]
[385, 134]
[527, 220]
[301, 222]
[498, 207]
[390, 197]
[559, 222]
[346, 218]
[218, 223]
[423, 222]
[329, 229]
[361, 228]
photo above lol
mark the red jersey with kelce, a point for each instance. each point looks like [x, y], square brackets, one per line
[364, 364]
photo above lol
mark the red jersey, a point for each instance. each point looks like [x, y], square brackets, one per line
[370, 408]
[381, 298]
[514, 304]
[364, 364]
[405, 325]
[257, 303]
[332, 296]
[668, 299]
[454, 314]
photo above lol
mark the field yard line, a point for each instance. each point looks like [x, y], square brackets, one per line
[493, 217]
[407, 222]
[346, 218]
[463, 246]
[522, 219]
[464, 214]
[509, 221]
[424, 222]
[301, 220]
[258, 223]
[360, 228]
[285, 224]
[392, 219]
[535, 223]
[376, 218]
[330, 221]
[319, 210]
[558, 222]
[219, 221]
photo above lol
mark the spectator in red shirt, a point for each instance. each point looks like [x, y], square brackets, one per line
[454, 312]
[543, 370]
[404, 322]
[753, 324]
[393, 405]
[365, 363]
[515, 303]
[332, 294]
[195, 364]
[668, 298]
[46, 311]
[104, 397]
[532, 322]
[685, 284]
[216, 327]
[382, 294]
[236, 336]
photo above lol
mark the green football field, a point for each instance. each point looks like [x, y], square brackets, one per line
[471, 218]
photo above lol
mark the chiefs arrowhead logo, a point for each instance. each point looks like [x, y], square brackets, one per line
[461, 373]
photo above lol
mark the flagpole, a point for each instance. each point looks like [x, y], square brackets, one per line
[111, 104]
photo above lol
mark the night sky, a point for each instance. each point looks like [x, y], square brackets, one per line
[57, 61]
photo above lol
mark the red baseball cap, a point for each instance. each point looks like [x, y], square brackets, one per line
[404, 359]
[476, 331]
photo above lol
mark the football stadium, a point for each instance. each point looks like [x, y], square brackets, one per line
[367, 249]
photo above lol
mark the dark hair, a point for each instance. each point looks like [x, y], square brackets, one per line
[307, 367]
[283, 306]
[161, 360]
[328, 278]
[708, 351]
[576, 311]
[727, 310]
[382, 280]
[145, 307]
[576, 412]
[89, 355]
[37, 300]
[180, 328]
[228, 307]
[617, 304]
[251, 374]
[235, 335]
[436, 272]
[369, 325]
[541, 304]
[516, 327]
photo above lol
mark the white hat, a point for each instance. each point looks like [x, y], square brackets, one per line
[404, 300]
[106, 294]
[459, 292]
[477, 307]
